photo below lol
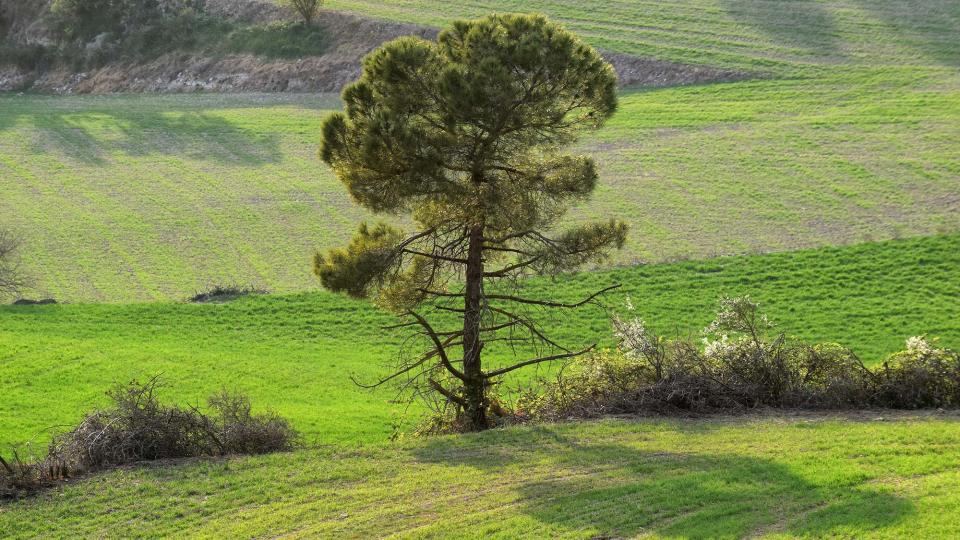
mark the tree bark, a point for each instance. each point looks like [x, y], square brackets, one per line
[474, 383]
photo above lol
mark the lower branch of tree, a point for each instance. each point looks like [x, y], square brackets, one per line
[550, 358]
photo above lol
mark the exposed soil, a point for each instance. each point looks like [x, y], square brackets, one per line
[350, 38]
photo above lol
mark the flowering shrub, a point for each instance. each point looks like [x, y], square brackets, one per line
[740, 363]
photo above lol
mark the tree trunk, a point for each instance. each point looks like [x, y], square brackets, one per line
[474, 387]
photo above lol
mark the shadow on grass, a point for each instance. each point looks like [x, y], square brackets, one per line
[615, 490]
[929, 27]
[90, 136]
[803, 23]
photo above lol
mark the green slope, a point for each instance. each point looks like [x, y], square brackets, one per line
[296, 353]
[770, 478]
[850, 136]
[801, 36]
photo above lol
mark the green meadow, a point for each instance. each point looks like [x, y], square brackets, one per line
[826, 186]
[296, 353]
[848, 134]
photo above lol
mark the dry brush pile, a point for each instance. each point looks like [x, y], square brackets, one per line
[137, 427]
[740, 364]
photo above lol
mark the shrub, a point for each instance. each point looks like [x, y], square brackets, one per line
[224, 293]
[137, 427]
[85, 19]
[308, 9]
[922, 376]
[27, 57]
[739, 365]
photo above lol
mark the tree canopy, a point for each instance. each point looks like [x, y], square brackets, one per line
[466, 136]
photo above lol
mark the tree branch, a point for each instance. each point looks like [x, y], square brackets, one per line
[501, 371]
[529, 326]
[440, 350]
[434, 256]
[548, 303]
[447, 394]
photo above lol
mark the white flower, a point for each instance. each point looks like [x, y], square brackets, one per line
[718, 347]
[919, 345]
[635, 339]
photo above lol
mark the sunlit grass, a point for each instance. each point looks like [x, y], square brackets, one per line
[127, 198]
[791, 477]
[296, 353]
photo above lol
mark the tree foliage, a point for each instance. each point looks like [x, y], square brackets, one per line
[466, 135]
[86, 19]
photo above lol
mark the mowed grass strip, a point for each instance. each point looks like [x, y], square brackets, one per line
[296, 353]
[866, 477]
[803, 36]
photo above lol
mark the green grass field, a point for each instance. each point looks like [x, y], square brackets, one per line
[841, 156]
[771, 478]
[850, 136]
[295, 353]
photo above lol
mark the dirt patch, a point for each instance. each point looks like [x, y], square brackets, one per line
[350, 39]
[637, 71]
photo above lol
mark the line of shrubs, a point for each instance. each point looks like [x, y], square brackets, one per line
[138, 427]
[741, 364]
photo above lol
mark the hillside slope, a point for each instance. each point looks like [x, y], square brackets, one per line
[123, 198]
[850, 137]
[242, 46]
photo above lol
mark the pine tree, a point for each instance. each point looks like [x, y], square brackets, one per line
[466, 135]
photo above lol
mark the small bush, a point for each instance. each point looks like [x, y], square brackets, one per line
[137, 427]
[224, 293]
[307, 9]
[92, 33]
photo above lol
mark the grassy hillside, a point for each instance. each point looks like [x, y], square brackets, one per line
[849, 136]
[796, 477]
[295, 353]
[152, 197]
[811, 36]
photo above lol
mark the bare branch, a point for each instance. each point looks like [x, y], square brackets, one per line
[547, 303]
[501, 371]
[434, 256]
[529, 326]
[447, 394]
[406, 369]
[506, 270]
[440, 347]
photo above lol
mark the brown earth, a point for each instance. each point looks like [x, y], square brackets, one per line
[350, 38]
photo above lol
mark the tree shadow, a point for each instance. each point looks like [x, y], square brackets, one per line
[929, 27]
[90, 136]
[614, 490]
[805, 24]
